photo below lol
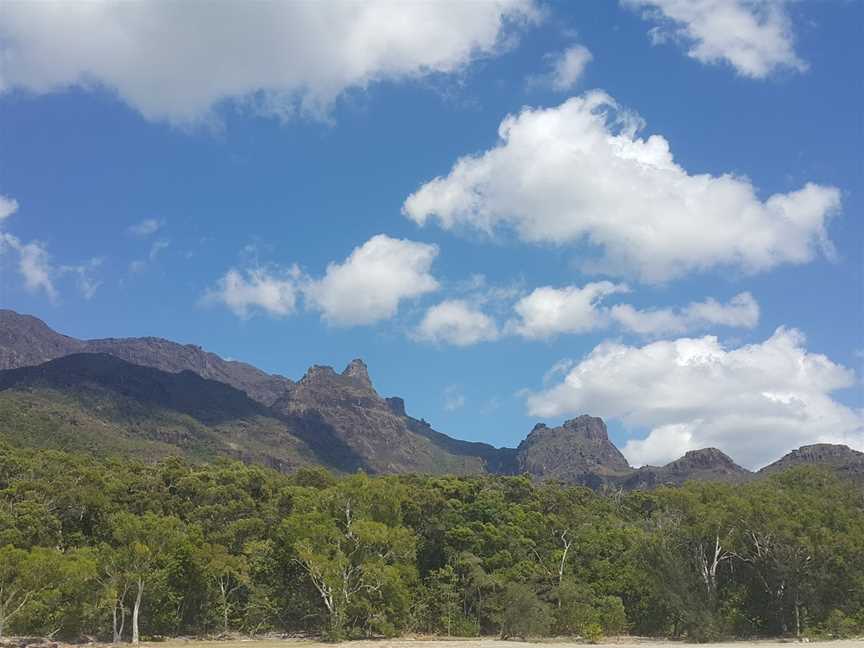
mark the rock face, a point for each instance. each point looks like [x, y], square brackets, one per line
[346, 419]
[578, 452]
[842, 459]
[707, 464]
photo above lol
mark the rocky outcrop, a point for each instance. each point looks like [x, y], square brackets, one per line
[577, 452]
[343, 411]
[842, 459]
[707, 464]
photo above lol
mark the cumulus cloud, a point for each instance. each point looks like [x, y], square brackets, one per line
[741, 311]
[578, 172]
[365, 288]
[457, 322]
[549, 311]
[754, 402]
[280, 56]
[245, 292]
[753, 37]
[568, 67]
[146, 227]
[8, 206]
[368, 286]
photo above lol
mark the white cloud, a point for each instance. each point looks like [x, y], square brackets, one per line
[754, 402]
[457, 322]
[34, 264]
[755, 37]
[578, 172]
[370, 283]
[453, 398]
[176, 61]
[258, 289]
[549, 311]
[8, 206]
[87, 283]
[145, 228]
[568, 67]
[741, 311]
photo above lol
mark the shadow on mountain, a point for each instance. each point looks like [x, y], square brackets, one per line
[208, 401]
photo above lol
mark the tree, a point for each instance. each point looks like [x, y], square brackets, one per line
[228, 573]
[353, 550]
[522, 613]
[17, 585]
[143, 544]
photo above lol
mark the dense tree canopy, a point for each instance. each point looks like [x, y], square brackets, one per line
[112, 549]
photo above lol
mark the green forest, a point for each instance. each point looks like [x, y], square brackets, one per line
[121, 550]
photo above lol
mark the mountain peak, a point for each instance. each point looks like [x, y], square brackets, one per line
[707, 458]
[576, 452]
[358, 370]
[589, 427]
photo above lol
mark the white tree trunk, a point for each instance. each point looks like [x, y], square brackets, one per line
[135, 610]
[114, 624]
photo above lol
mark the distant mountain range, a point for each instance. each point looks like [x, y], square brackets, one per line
[151, 398]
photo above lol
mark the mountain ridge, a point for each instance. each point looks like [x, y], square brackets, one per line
[335, 419]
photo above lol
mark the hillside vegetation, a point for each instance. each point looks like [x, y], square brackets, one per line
[115, 548]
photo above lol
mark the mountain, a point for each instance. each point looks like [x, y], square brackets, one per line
[842, 459]
[707, 464]
[578, 452]
[105, 405]
[344, 408]
[26, 340]
[149, 398]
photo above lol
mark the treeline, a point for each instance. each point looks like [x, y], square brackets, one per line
[106, 549]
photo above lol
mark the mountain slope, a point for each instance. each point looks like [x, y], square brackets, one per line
[100, 403]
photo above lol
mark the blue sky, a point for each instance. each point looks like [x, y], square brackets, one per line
[682, 174]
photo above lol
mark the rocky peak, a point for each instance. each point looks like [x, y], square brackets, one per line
[707, 458]
[845, 461]
[572, 452]
[591, 428]
[705, 464]
[358, 370]
[818, 452]
[317, 373]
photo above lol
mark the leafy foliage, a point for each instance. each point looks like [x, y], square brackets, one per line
[205, 549]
